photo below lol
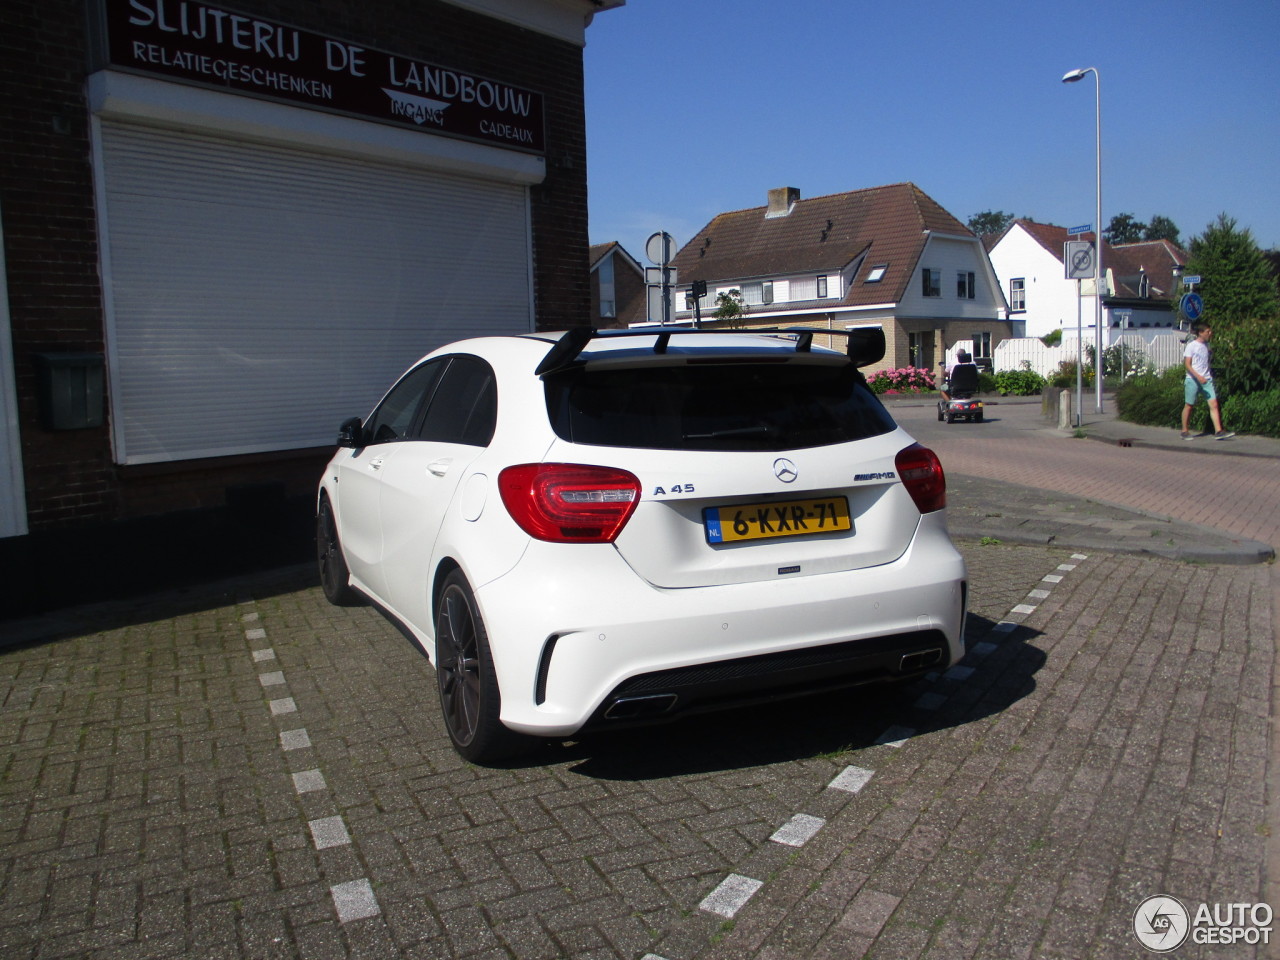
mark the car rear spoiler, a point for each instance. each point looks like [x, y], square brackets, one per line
[865, 345]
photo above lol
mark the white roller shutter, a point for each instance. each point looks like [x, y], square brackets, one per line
[260, 295]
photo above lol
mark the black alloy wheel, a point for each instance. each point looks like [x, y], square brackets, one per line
[469, 699]
[334, 575]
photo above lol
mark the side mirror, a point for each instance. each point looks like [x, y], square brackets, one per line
[351, 433]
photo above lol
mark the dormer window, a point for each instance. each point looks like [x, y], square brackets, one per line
[875, 274]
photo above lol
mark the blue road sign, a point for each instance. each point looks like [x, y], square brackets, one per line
[1191, 305]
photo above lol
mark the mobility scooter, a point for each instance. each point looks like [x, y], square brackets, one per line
[962, 384]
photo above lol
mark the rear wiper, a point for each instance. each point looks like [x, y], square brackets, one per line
[758, 430]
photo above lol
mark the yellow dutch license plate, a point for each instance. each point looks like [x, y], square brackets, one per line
[791, 518]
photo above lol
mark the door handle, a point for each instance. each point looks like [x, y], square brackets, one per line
[375, 464]
[440, 467]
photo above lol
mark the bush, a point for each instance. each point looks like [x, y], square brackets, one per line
[1120, 361]
[1157, 400]
[1065, 375]
[1253, 413]
[903, 380]
[1246, 356]
[986, 382]
[1052, 339]
[1021, 383]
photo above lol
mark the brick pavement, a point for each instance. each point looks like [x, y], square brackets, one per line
[266, 777]
[1112, 747]
[269, 778]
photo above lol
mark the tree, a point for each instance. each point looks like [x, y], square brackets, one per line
[1240, 303]
[1162, 228]
[1124, 229]
[990, 222]
[730, 308]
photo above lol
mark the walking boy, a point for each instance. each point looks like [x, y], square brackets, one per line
[1199, 382]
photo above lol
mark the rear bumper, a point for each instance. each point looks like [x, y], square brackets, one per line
[576, 633]
[666, 694]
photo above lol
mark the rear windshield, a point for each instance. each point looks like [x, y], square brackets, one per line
[723, 406]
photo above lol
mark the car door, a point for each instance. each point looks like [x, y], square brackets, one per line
[362, 470]
[422, 481]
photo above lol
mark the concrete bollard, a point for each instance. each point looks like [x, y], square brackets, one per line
[1064, 411]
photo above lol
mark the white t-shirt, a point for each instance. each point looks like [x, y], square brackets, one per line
[1198, 351]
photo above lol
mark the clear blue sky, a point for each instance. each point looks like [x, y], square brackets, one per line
[695, 107]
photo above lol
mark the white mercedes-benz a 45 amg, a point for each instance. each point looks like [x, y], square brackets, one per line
[602, 528]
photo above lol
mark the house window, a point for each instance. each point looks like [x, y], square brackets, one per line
[982, 345]
[766, 292]
[1018, 295]
[876, 273]
[822, 287]
[964, 285]
[931, 282]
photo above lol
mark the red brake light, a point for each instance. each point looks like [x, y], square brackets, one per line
[569, 502]
[921, 473]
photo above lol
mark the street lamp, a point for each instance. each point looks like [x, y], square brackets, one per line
[1100, 276]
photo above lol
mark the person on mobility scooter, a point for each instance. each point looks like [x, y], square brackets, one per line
[957, 401]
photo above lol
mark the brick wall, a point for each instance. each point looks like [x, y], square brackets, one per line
[47, 205]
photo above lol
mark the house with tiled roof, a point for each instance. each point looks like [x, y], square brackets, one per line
[617, 286]
[1143, 279]
[884, 256]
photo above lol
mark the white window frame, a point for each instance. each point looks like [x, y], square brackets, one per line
[1018, 295]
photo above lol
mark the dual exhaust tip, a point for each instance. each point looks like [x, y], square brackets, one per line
[657, 704]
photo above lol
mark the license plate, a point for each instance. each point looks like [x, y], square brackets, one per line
[761, 521]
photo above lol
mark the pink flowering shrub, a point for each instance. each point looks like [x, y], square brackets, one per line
[903, 380]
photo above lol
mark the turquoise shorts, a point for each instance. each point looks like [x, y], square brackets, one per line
[1193, 390]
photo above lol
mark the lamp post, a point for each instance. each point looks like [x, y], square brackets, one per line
[1100, 276]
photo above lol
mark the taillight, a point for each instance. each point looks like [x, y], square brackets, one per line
[569, 502]
[921, 473]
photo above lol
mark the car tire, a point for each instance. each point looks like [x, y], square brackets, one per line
[951, 417]
[335, 577]
[470, 702]
[941, 415]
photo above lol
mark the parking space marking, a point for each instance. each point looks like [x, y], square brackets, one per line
[895, 736]
[353, 900]
[328, 832]
[851, 779]
[308, 781]
[731, 896]
[798, 831]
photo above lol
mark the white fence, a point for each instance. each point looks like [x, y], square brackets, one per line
[1163, 350]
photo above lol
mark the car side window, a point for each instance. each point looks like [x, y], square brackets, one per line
[464, 408]
[399, 410]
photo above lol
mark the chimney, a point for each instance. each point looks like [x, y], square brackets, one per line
[781, 202]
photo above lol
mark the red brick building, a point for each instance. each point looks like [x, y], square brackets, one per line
[226, 228]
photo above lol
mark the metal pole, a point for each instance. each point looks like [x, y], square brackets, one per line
[1079, 359]
[1101, 281]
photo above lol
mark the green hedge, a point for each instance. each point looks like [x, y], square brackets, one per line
[1157, 400]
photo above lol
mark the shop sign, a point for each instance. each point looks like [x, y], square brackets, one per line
[217, 47]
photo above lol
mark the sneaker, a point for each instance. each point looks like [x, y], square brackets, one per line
[1187, 436]
[1223, 435]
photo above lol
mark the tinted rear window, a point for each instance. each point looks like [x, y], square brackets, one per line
[733, 406]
